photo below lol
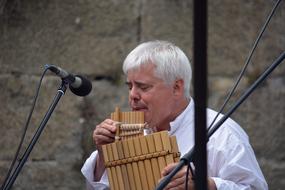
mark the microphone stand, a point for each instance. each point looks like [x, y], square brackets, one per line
[60, 92]
[188, 157]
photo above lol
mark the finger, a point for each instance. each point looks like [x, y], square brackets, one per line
[168, 169]
[179, 179]
[175, 183]
[104, 130]
[101, 140]
[179, 183]
[182, 173]
[109, 125]
[103, 133]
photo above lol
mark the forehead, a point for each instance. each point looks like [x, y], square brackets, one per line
[144, 72]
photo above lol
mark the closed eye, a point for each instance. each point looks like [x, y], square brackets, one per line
[144, 87]
[141, 86]
[129, 85]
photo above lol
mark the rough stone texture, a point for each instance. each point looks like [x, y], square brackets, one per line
[263, 118]
[233, 28]
[83, 35]
[93, 37]
[60, 142]
[167, 20]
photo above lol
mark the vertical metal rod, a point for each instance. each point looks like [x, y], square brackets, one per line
[200, 93]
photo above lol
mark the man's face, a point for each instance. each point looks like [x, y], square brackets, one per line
[151, 95]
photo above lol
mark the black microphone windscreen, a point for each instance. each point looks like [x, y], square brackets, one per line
[84, 89]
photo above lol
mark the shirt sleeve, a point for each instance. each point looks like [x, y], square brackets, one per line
[233, 163]
[88, 172]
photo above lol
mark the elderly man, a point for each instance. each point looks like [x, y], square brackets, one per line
[158, 76]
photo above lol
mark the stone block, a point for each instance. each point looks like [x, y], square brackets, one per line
[233, 28]
[16, 109]
[168, 20]
[47, 175]
[262, 116]
[273, 172]
[61, 139]
[90, 37]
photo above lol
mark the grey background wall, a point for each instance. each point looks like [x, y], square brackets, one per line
[92, 38]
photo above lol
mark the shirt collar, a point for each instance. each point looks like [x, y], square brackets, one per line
[187, 113]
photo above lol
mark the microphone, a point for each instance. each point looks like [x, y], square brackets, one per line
[79, 85]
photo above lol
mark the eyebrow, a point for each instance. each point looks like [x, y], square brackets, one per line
[137, 83]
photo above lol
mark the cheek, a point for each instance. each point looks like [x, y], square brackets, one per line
[151, 101]
[157, 99]
[156, 106]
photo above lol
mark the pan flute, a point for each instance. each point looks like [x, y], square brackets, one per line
[135, 161]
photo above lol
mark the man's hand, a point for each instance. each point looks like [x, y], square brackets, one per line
[104, 133]
[178, 181]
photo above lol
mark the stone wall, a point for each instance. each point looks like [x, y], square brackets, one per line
[92, 38]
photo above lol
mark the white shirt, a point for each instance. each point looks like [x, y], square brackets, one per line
[231, 160]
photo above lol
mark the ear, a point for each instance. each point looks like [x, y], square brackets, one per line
[178, 88]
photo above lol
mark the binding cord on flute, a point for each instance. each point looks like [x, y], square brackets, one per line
[129, 124]
[125, 130]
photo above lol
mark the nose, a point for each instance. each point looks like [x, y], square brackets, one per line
[134, 94]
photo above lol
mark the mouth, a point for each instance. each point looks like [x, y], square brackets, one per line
[144, 109]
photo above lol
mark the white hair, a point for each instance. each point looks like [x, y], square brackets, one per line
[170, 62]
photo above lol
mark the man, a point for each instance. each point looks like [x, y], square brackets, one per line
[158, 76]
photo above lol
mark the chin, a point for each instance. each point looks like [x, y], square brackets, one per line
[141, 110]
[147, 116]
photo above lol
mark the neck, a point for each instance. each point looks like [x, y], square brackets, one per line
[180, 106]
